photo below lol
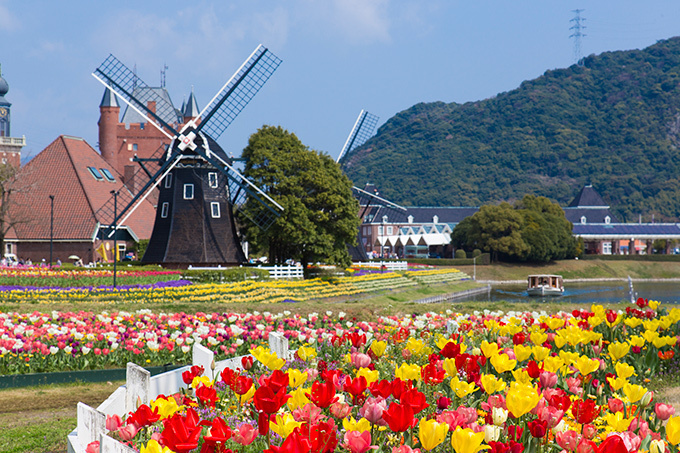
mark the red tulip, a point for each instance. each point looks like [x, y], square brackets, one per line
[612, 444]
[247, 362]
[323, 437]
[431, 375]
[219, 432]
[584, 411]
[451, 350]
[356, 339]
[189, 375]
[181, 433]
[296, 442]
[355, 387]
[268, 401]
[415, 399]
[519, 338]
[143, 416]
[207, 395]
[322, 394]
[399, 417]
[538, 428]
[381, 388]
[242, 385]
[277, 381]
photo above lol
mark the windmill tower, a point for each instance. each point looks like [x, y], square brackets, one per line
[199, 189]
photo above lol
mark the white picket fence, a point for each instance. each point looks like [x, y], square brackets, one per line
[389, 265]
[288, 271]
[141, 386]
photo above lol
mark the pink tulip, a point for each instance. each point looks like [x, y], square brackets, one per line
[373, 409]
[245, 434]
[405, 449]
[664, 411]
[340, 410]
[359, 441]
[92, 447]
[360, 360]
[113, 422]
[615, 405]
[551, 415]
[548, 379]
[127, 432]
[568, 440]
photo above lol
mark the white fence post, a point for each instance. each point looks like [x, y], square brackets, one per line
[204, 357]
[137, 386]
[110, 445]
[91, 425]
[278, 344]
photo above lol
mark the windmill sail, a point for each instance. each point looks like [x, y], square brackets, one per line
[362, 131]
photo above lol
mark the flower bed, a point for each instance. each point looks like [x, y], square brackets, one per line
[17, 277]
[248, 291]
[504, 382]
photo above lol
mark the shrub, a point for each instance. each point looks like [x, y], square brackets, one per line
[235, 274]
[476, 253]
[460, 253]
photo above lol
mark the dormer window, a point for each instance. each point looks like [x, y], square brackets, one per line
[410, 219]
[95, 174]
[435, 219]
[583, 220]
[607, 220]
[107, 174]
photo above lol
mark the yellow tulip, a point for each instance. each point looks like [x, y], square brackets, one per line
[431, 433]
[370, 375]
[492, 384]
[298, 398]
[617, 383]
[489, 349]
[296, 377]
[201, 380]
[449, 366]
[624, 370]
[503, 363]
[568, 357]
[636, 340]
[284, 424]
[540, 353]
[632, 322]
[415, 345]
[618, 350]
[467, 441]
[538, 338]
[521, 398]
[673, 430]
[306, 353]
[522, 352]
[154, 447]
[634, 392]
[243, 399]
[521, 375]
[407, 371]
[378, 348]
[586, 365]
[462, 388]
[617, 422]
[166, 407]
[350, 424]
[555, 323]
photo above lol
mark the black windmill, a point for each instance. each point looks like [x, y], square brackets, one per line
[199, 189]
[370, 204]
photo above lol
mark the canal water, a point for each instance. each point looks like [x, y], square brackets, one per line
[587, 293]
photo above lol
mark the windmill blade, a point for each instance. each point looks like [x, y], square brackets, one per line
[371, 199]
[237, 92]
[362, 131]
[131, 202]
[138, 95]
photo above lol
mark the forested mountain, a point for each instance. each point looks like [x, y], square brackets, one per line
[613, 122]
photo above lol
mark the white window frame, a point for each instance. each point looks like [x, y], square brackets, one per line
[188, 187]
[212, 179]
[168, 180]
[607, 220]
[389, 230]
[606, 248]
[583, 220]
[215, 210]
[165, 207]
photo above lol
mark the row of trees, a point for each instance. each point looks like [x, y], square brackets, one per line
[534, 230]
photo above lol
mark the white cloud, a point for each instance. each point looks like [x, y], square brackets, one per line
[363, 20]
[7, 20]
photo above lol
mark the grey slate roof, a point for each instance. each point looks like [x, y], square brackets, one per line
[190, 109]
[588, 197]
[131, 116]
[628, 230]
[109, 99]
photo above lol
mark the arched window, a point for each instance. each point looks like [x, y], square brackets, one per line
[583, 220]
[607, 219]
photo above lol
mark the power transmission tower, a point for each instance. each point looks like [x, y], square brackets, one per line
[577, 34]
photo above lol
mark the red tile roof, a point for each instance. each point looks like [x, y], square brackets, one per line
[61, 170]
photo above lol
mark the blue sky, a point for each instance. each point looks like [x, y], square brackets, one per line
[339, 56]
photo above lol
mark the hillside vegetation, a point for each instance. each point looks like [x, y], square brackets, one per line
[613, 122]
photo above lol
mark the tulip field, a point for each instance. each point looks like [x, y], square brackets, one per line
[501, 382]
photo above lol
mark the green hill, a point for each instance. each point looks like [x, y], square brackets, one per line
[613, 122]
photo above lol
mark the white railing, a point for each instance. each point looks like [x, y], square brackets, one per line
[141, 386]
[289, 271]
[292, 271]
[389, 265]
[16, 141]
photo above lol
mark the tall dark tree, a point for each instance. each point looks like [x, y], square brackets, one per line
[320, 214]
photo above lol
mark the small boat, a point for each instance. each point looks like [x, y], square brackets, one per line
[545, 285]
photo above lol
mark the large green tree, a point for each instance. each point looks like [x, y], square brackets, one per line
[320, 216]
[534, 230]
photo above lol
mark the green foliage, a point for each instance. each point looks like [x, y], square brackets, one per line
[476, 252]
[534, 230]
[235, 274]
[140, 247]
[612, 123]
[320, 216]
[460, 253]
